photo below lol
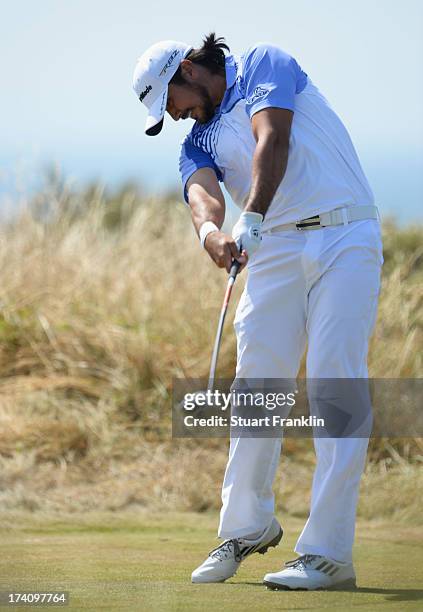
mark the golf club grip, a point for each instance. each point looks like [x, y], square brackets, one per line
[234, 269]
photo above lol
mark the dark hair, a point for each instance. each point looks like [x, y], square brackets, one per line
[211, 55]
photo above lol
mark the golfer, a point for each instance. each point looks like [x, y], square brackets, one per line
[310, 233]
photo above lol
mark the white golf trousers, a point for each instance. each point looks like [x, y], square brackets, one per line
[321, 287]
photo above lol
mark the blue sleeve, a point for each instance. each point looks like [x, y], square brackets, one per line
[193, 158]
[270, 78]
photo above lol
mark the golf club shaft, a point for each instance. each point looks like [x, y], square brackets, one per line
[231, 280]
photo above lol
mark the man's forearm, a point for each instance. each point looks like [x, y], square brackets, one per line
[205, 209]
[269, 166]
[206, 201]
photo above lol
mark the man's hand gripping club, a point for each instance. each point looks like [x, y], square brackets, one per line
[245, 240]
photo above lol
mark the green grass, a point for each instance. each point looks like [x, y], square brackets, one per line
[143, 562]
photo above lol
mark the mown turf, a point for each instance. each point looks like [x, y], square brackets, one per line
[143, 562]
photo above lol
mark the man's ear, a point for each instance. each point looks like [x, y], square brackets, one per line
[187, 69]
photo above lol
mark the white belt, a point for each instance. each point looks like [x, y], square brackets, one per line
[338, 216]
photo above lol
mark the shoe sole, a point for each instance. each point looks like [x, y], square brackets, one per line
[272, 544]
[345, 585]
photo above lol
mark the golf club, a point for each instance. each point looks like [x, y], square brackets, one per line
[231, 280]
[213, 365]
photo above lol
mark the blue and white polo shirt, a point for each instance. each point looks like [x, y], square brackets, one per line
[323, 170]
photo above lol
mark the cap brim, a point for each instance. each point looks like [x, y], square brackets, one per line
[154, 129]
[156, 112]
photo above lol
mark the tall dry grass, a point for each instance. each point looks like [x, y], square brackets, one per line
[103, 300]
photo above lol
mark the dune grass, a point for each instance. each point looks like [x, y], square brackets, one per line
[104, 299]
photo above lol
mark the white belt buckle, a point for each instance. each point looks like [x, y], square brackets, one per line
[311, 227]
[344, 216]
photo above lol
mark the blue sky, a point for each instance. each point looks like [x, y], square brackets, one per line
[67, 69]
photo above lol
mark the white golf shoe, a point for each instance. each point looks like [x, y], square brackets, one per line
[312, 572]
[224, 561]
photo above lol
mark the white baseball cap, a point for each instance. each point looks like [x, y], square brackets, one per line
[152, 74]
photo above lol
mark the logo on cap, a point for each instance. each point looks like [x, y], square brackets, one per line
[163, 102]
[145, 92]
[168, 63]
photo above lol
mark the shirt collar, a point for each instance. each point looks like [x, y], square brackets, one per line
[231, 69]
[231, 74]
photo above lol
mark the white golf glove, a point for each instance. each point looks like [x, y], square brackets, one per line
[247, 232]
